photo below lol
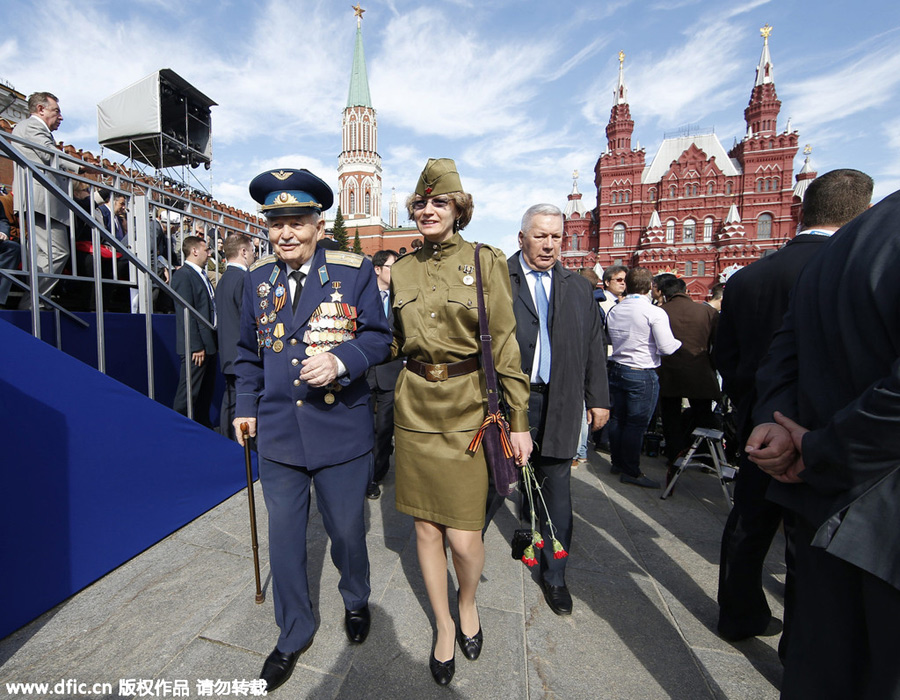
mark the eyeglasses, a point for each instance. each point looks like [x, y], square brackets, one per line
[436, 202]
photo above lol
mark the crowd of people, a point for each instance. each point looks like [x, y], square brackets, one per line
[335, 362]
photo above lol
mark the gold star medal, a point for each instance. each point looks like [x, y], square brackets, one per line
[337, 296]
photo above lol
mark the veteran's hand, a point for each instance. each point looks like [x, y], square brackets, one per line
[198, 358]
[521, 444]
[598, 417]
[251, 428]
[319, 370]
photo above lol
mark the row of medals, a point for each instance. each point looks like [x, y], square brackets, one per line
[330, 325]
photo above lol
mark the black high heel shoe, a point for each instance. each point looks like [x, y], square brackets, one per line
[470, 646]
[442, 671]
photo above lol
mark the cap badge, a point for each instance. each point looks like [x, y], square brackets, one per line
[286, 198]
[281, 175]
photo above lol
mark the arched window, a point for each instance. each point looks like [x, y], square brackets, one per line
[687, 190]
[764, 226]
[627, 197]
[352, 202]
[615, 198]
[777, 184]
[710, 188]
[353, 136]
[652, 194]
[368, 203]
[670, 231]
[618, 235]
[688, 269]
[727, 188]
[701, 268]
[707, 229]
[687, 231]
[759, 185]
[672, 190]
[622, 160]
[696, 189]
[574, 241]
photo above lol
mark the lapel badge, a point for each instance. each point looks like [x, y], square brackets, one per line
[323, 275]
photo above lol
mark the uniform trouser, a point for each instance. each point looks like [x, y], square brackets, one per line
[844, 628]
[554, 476]
[633, 393]
[384, 432]
[203, 386]
[10, 257]
[50, 258]
[751, 526]
[340, 497]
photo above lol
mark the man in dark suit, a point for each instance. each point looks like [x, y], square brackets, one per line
[753, 308]
[239, 254]
[563, 350]
[191, 282]
[828, 431]
[382, 379]
[312, 324]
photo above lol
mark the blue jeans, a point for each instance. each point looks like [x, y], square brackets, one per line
[633, 393]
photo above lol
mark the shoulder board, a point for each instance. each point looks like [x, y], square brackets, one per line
[268, 260]
[340, 257]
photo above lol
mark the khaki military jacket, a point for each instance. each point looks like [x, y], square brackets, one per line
[435, 305]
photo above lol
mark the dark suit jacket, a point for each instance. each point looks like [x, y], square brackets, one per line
[298, 424]
[578, 353]
[229, 294]
[756, 299]
[835, 368]
[689, 370]
[188, 283]
[384, 376]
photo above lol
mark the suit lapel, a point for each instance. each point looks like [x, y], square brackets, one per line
[557, 294]
[524, 291]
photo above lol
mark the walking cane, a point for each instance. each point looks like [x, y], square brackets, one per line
[245, 432]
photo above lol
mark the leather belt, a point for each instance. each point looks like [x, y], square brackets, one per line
[442, 372]
[540, 388]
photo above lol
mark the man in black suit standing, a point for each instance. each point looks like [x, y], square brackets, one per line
[563, 350]
[239, 255]
[753, 308]
[828, 431]
[191, 282]
[382, 379]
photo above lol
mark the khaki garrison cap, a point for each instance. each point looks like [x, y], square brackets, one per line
[438, 177]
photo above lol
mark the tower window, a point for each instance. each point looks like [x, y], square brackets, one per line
[687, 231]
[618, 235]
[670, 231]
[701, 268]
[368, 203]
[352, 202]
[764, 226]
[707, 229]
[727, 188]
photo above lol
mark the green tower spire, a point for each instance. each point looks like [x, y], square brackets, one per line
[359, 81]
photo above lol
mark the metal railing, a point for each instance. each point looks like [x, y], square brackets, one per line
[147, 256]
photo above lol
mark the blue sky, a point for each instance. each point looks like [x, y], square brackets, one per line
[518, 92]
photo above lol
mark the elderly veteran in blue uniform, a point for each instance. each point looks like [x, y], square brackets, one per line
[312, 323]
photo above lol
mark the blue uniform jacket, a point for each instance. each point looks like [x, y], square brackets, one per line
[295, 424]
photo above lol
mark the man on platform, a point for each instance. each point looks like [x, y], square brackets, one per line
[239, 254]
[191, 282]
[51, 215]
[382, 379]
[312, 324]
[563, 350]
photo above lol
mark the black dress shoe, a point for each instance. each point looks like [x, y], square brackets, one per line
[357, 622]
[639, 480]
[279, 667]
[373, 492]
[442, 671]
[470, 646]
[558, 598]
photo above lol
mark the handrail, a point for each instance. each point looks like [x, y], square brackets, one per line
[142, 197]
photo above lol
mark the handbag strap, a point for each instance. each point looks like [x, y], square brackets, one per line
[487, 355]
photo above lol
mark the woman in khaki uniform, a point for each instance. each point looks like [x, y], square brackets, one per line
[440, 398]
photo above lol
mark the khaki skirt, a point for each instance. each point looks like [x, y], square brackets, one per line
[438, 480]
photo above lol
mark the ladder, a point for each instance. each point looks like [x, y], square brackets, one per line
[716, 458]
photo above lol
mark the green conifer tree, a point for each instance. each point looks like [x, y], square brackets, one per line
[357, 246]
[339, 232]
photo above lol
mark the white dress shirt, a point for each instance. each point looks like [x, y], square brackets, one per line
[639, 332]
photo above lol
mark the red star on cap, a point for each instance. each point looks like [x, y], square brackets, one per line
[428, 190]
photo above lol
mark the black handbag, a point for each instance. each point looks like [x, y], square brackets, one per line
[494, 431]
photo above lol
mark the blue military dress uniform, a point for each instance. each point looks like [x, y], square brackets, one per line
[304, 433]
